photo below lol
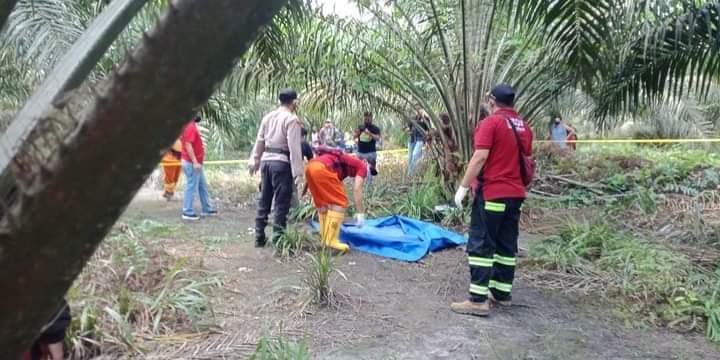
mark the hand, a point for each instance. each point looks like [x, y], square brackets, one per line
[197, 167]
[252, 168]
[359, 220]
[460, 196]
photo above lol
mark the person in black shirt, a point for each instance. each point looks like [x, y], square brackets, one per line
[417, 128]
[367, 135]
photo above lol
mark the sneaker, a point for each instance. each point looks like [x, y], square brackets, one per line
[168, 196]
[190, 217]
[210, 213]
[468, 307]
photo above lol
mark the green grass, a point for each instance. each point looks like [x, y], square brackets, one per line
[305, 211]
[643, 278]
[318, 276]
[293, 241]
[132, 289]
[280, 348]
[215, 243]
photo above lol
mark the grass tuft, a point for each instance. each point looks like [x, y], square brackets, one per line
[293, 241]
[280, 348]
[318, 276]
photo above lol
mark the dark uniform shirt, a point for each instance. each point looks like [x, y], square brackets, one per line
[367, 144]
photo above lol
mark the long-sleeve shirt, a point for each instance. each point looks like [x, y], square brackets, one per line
[280, 130]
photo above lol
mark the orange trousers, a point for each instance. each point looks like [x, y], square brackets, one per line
[171, 172]
[325, 187]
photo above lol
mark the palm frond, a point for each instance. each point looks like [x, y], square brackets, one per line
[670, 56]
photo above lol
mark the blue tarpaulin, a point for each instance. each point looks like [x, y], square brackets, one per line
[399, 237]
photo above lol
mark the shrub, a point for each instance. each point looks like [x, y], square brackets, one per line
[132, 289]
[651, 280]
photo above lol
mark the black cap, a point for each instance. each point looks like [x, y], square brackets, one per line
[503, 94]
[287, 96]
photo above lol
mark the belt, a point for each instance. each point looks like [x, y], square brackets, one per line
[273, 150]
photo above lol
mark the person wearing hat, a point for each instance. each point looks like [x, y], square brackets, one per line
[277, 154]
[495, 172]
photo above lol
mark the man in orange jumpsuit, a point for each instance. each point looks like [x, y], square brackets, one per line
[324, 176]
[171, 169]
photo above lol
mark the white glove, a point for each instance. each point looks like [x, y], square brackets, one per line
[460, 196]
[359, 220]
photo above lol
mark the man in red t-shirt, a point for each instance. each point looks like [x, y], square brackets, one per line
[324, 175]
[193, 155]
[500, 192]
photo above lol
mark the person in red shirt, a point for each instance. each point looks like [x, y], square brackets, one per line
[324, 176]
[193, 155]
[495, 165]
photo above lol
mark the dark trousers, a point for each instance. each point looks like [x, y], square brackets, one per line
[277, 184]
[492, 247]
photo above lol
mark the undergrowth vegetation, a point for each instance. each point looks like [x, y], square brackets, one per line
[280, 348]
[661, 284]
[652, 247]
[295, 239]
[133, 291]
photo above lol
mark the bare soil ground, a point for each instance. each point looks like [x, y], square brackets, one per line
[386, 309]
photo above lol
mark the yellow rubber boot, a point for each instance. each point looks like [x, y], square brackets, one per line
[332, 235]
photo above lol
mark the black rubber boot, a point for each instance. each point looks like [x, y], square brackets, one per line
[260, 240]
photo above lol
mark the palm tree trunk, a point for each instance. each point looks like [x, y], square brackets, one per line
[6, 7]
[53, 228]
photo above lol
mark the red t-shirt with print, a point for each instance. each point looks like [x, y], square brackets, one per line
[191, 135]
[501, 177]
[350, 165]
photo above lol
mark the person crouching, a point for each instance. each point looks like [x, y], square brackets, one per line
[324, 176]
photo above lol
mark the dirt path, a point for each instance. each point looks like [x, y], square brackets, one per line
[389, 309]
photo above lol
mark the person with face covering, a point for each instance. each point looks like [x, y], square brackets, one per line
[193, 156]
[495, 169]
[277, 154]
[560, 133]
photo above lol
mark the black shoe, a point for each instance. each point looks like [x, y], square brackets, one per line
[260, 242]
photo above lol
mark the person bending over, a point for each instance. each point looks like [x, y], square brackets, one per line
[324, 175]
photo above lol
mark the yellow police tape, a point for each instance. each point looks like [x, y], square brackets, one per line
[596, 141]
